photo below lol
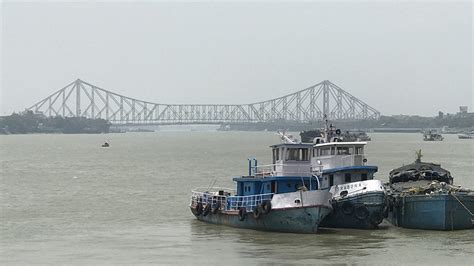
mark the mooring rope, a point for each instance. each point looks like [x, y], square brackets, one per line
[462, 204]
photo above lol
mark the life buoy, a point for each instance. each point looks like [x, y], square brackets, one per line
[207, 210]
[242, 214]
[376, 218]
[347, 208]
[257, 212]
[199, 209]
[361, 212]
[266, 206]
[344, 193]
[216, 208]
[338, 131]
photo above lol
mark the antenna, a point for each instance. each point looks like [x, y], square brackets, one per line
[286, 138]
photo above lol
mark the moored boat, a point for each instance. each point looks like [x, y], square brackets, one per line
[432, 135]
[466, 135]
[358, 199]
[283, 196]
[422, 196]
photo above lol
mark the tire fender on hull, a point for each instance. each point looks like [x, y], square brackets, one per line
[347, 208]
[198, 209]
[216, 208]
[207, 210]
[257, 213]
[266, 206]
[242, 214]
[361, 212]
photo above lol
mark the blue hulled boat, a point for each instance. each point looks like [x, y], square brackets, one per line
[283, 196]
[422, 196]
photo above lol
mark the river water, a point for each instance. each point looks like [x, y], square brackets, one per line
[66, 200]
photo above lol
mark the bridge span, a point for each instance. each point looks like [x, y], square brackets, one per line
[83, 99]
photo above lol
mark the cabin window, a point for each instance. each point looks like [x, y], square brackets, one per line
[333, 150]
[359, 150]
[297, 154]
[363, 177]
[276, 154]
[347, 178]
[324, 151]
[304, 154]
[331, 180]
[343, 150]
[291, 154]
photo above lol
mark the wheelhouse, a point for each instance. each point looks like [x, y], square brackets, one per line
[341, 163]
[338, 154]
[290, 159]
[290, 170]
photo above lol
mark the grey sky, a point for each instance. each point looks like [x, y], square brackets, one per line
[400, 58]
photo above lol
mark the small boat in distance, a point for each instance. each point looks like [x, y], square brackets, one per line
[466, 135]
[282, 197]
[432, 135]
[105, 145]
[422, 196]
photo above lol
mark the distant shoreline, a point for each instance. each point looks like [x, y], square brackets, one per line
[31, 123]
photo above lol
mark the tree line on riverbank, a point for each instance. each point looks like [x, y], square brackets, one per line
[29, 122]
[460, 122]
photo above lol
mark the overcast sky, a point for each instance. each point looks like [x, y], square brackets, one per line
[400, 58]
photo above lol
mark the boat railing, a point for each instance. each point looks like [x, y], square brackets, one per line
[210, 195]
[213, 190]
[249, 203]
[225, 199]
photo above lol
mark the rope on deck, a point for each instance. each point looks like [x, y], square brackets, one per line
[452, 194]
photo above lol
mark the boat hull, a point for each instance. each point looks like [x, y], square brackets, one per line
[364, 211]
[295, 212]
[432, 212]
[294, 220]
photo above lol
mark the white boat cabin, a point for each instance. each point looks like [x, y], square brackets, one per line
[341, 163]
[292, 159]
[338, 154]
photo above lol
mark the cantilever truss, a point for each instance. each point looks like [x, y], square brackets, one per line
[82, 99]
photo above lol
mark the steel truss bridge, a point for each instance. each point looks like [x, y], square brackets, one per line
[82, 99]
